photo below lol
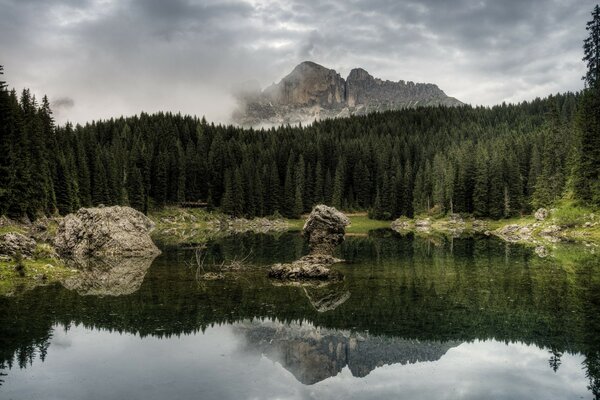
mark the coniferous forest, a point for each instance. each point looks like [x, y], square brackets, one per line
[493, 162]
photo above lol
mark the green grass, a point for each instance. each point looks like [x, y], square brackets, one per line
[11, 283]
[11, 229]
[359, 224]
[569, 214]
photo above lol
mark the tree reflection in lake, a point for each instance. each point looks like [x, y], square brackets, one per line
[404, 295]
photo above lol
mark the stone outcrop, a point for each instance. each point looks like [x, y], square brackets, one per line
[105, 232]
[310, 267]
[312, 91]
[324, 230]
[514, 233]
[14, 243]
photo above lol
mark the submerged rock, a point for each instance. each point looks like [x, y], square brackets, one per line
[14, 243]
[324, 230]
[310, 267]
[105, 232]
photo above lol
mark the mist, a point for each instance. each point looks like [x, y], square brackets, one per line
[113, 58]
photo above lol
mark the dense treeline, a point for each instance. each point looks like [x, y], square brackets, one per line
[492, 162]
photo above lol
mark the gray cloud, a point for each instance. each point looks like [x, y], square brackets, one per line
[63, 102]
[119, 57]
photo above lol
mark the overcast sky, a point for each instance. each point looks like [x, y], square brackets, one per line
[106, 58]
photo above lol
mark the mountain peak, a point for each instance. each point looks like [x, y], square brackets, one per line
[311, 91]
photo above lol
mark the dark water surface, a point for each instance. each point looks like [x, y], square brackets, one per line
[414, 318]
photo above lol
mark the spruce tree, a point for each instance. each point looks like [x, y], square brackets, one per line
[338, 185]
[587, 168]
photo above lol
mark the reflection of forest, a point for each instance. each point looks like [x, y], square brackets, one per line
[400, 287]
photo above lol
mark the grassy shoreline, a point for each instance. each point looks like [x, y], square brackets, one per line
[175, 226]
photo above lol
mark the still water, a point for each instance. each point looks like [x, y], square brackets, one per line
[414, 318]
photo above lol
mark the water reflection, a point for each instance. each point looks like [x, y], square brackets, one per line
[313, 354]
[109, 276]
[441, 313]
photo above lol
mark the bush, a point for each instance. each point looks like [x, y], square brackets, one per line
[43, 250]
[570, 215]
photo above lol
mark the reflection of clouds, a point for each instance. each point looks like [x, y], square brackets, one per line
[60, 338]
[210, 365]
[313, 354]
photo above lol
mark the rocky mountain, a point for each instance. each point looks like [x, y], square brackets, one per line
[312, 91]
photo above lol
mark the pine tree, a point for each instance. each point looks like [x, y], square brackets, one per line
[481, 186]
[338, 185]
[591, 49]
[227, 203]
[587, 168]
[319, 182]
[239, 202]
[135, 189]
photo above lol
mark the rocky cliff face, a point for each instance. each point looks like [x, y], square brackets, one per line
[312, 91]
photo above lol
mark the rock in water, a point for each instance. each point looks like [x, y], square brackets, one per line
[14, 243]
[105, 232]
[324, 230]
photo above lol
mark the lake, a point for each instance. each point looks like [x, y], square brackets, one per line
[414, 318]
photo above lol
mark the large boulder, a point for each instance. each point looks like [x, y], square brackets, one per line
[14, 243]
[105, 232]
[325, 229]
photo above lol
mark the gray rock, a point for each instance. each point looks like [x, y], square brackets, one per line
[312, 91]
[541, 214]
[105, 232]
[401, 224]
[510, 232]
[310, 267]
[541, 251]
[13, 243]
[324, 229]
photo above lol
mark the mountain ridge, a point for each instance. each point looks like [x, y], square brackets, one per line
[311, 91]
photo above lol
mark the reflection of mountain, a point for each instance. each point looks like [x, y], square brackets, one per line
[328, 297]
[110, 277]
[313, 354]
[454, 290]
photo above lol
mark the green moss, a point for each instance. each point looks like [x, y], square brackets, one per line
[10, 229]
[37, 272]
[359, 224]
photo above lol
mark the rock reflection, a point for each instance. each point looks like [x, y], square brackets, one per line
[108, 276]
[326, 297]
[313, 354]
[323, 295]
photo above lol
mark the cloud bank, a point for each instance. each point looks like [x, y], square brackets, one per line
[120, 57]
